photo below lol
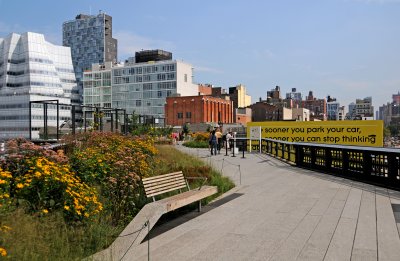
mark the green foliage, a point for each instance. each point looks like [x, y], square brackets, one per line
[196, 144]
[110, 163]
[394, 130]
[186, 128]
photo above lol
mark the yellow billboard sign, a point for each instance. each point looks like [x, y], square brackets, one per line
[356, 133]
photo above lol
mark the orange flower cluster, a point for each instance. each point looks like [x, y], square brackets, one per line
[48, 186]
[5, 179]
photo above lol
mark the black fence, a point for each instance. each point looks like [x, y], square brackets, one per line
[380, 166]
[100, 119]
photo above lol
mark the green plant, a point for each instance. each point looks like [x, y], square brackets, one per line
[196, 144]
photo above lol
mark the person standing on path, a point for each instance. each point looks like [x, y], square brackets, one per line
[219, 140]
[214, 142]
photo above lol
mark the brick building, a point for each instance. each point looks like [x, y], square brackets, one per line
[263, 111]
[197, 109]
[316, 106]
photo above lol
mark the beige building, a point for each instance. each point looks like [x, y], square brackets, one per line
[300, 114]
[243, 99]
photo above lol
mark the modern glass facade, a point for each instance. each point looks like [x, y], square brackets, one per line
[33, 69]
[141, 88]
[90, 39]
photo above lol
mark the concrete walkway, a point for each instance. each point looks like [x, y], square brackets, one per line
[280, 212]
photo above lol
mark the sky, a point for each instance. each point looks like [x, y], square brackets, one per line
[348, 49]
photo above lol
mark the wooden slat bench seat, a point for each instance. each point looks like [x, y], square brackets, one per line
[148, 216]
[175, 181]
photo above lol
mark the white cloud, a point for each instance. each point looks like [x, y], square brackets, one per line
[129, 43]
[207, 69]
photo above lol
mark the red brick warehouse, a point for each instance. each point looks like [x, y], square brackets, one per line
[197, 109]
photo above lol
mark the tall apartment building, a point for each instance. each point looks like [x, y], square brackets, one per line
[141, 88]
[361, 110]
[333, 109]
[294, 98]
[90, 39]
[316, 106]
[32, 69]
[390, 112]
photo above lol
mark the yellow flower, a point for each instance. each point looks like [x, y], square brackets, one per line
[66, 207]
[99, 160]
[45, 211]
[20, 186]
[3, 252]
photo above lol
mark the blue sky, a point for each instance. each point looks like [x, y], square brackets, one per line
[344, 48]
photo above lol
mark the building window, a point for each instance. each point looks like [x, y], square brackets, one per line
[138, 103]
[180, 115]
[185, 77]
[188, 114]
[159, 94]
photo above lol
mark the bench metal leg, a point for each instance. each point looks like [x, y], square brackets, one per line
[199, 206]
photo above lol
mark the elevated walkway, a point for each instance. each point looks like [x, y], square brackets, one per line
[280, 212]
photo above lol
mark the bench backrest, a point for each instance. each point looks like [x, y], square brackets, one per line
[157, 185]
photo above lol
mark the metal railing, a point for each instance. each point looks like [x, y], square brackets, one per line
[380, 166]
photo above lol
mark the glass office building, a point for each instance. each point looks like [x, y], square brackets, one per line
[32, 69]
[90, 40]
[141, 88]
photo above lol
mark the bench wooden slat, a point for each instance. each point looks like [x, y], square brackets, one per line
[162, 176]
[164, 180]
[162, 187]
[161, 192]
[165, 184]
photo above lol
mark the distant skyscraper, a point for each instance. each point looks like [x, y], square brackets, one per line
[33, 69]
[90, 39]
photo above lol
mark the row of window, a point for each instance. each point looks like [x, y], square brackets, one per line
[47, 84]
[144, 70]
[188, 115]
[144, 78]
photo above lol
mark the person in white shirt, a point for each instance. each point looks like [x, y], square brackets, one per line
[228, 137]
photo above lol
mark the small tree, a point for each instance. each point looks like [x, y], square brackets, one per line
[186, 129]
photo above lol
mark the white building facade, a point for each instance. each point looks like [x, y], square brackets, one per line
[139, 88]
[32, 69]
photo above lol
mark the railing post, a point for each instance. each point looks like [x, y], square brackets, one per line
[367, 164]
[328, 159]
[393, 169]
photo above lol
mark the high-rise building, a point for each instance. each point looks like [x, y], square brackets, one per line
[361, 110]
[333, 109]
[141, 88]
[32, 69]
[90, 39]
[390, 112]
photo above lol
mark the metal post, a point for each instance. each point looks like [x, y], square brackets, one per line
[73, 119]
[45, 133]
[125, 123]
[84, 119]
[234, 143]
[58, 120]
[116, 119]
[243, 141]
[112, 122]
[30, 120]
[226, 147]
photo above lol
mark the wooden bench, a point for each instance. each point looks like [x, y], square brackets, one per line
[162, 184]
[148, 216]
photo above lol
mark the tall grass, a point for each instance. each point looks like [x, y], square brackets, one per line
[49, 237]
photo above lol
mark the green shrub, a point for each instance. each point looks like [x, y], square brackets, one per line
[196, 144]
